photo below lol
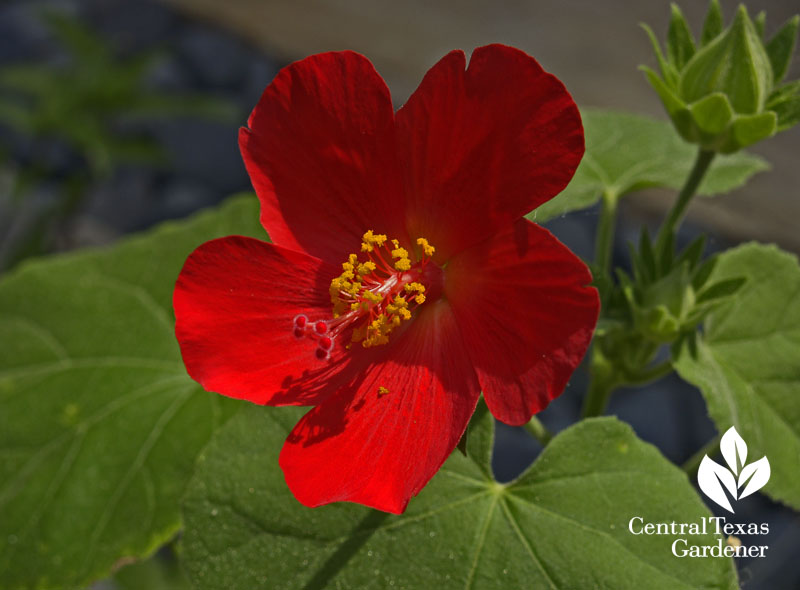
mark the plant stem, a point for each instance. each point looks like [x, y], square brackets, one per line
[594, 404]
[692, 464]
[604, 242]
[673, 221]
[538, 431]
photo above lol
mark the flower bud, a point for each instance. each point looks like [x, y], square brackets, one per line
[725, 93]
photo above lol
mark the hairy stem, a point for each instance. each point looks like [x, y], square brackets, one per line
[538, 431]
[604, 242]
[675, 216]
[594, 404]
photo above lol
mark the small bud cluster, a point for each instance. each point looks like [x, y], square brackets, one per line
[724, 92]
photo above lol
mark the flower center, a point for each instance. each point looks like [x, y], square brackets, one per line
[374, 295]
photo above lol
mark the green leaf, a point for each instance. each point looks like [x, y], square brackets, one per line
[33, 80]
[157, 573]
[668, 71]
[626, 153]
[703, 272]
[693, 252]
[245, 530]
[759, 22]
[99, 423]
[83, 43]
[746, 363]
[713, 23]
[781, 47]
[784, 102]
[666, 93]
[649, 269]
[680, 43]
[750, 129]
[720, 289]
[712, 113]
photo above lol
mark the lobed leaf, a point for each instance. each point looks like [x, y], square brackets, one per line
[746, 362]
[563, 524]
[99, 423]
[626, 153]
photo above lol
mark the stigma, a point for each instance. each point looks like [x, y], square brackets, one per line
[378, 290]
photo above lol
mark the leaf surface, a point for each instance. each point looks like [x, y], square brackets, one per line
[626, 153]
[746, 365]
[99, 423]
[563, 524]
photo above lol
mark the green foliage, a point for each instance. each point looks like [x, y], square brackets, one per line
[157, 573]
[680, 44]
[746, 362]
[86, 106]
[781, 47]
[626, 153]
[722, 95]
[83, 102]
[100, 424]
[563, 524]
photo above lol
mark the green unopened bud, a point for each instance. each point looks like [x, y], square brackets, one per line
[735, 64]
[662, 308]
[722, 95]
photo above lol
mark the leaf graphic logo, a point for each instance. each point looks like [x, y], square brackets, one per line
[714, 479]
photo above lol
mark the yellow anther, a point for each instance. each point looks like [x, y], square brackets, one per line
[371, 297]
[370, 240]
[382, 390]
[402, 261]
[366, 268]
[426, 247]
[374, 312]
[399, 252]
[377, 332]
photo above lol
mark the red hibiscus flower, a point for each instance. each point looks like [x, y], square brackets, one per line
[402, 279]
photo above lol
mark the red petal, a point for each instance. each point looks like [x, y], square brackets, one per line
[526, 317]
[483, 146]
[235, 302]
[320, 152]
[380, 450]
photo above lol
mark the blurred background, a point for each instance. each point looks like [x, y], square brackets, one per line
[118, 114]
